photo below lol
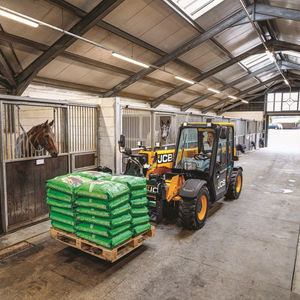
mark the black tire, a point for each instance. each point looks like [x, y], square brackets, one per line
[192, 214]
[235, 185]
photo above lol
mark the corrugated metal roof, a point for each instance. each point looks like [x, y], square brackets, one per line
[145, 30]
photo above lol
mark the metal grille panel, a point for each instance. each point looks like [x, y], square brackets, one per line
[76, 135]
[136, 126]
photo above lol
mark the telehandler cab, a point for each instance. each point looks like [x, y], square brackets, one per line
[202, 172]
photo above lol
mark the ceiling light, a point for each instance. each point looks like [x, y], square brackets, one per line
[130, 60]
[232, 97]
[185, 80]
[245, 101]
[18, 19]
[213, 90]
[286, 82]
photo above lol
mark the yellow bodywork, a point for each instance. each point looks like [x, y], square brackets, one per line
[164, 163]
[174, 186]
[165, 157]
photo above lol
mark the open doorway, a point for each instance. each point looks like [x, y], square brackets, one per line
[284, 133]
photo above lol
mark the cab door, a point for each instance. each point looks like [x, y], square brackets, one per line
[221, 166]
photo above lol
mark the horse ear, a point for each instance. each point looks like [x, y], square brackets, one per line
[51, 123]
[161, 123]
[168, 122]
[44, 124]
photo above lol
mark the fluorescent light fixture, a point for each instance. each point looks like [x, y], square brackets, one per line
[130, 60]
[18, 19]
[185, 80]
[245, 101]
[213, 90]
[286, 82]
[270, 56]
[232, 97]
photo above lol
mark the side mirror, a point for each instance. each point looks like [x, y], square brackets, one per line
[155, 157]
[235, 158]
[122, 141]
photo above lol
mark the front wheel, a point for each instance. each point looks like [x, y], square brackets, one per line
[235, 185]
[193, 212]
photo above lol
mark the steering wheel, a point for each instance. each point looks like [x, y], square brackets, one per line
[201, 156]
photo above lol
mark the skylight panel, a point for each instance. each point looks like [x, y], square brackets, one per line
[292, 53]
[196, 8]
[254, 60]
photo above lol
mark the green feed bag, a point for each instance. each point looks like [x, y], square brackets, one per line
[58, 203]
[63, 226]
[104, 213]
[133, 182]
[101, 231]
[140, 202]
[68, 212]
[152, 204]
[102, 190]
[62, 218]
[140, 229]
[103, 205]
[105, 242]
[66, 183]
[94, 175]
[140, 220]
[109, 223]
[59, 196]
[138, 212]
[138, 193]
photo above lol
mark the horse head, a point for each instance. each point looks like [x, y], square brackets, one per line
[164, 129]
[45, 138]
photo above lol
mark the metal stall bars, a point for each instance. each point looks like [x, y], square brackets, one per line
[136, 121]
[25, 168]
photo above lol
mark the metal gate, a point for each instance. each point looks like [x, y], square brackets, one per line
[25, 169]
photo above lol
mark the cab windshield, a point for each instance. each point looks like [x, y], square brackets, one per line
[195, 149]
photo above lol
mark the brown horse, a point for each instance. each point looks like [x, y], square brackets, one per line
[36, 140]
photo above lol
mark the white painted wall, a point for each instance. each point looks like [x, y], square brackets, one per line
[107, 134]
[47, 92]
[251, 115]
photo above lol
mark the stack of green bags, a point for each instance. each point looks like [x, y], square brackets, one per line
[138, 200]
[94, 175]
[103, 213]
[60, 198]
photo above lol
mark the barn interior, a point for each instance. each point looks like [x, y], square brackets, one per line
[89, 72]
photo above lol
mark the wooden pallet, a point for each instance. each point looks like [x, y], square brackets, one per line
[97, 250]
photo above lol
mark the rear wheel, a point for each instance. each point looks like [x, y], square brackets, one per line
[193, 212]
[235, 186]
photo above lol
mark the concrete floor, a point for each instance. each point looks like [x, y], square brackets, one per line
[247, 250]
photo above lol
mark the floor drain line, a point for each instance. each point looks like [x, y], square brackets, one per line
[14, 250]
